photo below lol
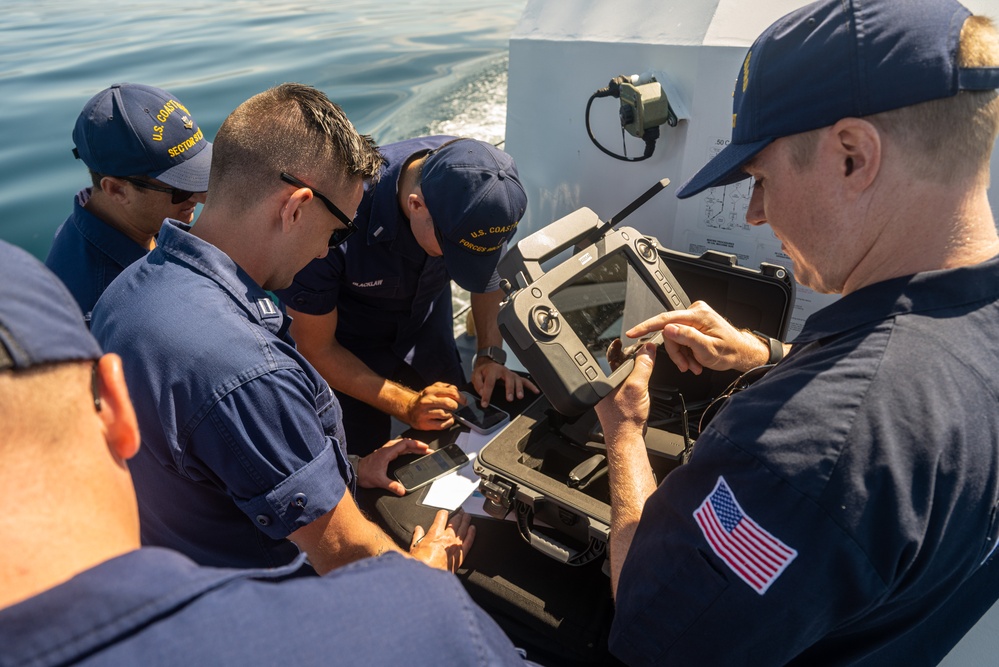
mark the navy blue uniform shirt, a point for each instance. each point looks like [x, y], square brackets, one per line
[241, 437]
[154, 607]
[843, 509]
[393, 301]
[87, 254]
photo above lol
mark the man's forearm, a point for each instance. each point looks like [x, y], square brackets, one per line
[371, 542]
[485, 310]
[344, 371]
[631, 484]
[341, 536]
[347, 374]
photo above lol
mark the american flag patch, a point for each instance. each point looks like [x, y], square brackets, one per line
[754, 554]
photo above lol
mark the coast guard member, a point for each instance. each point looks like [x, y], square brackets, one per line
[148, 161]
[75, 588]
[374, 316]
[844, 509]
[243, 449]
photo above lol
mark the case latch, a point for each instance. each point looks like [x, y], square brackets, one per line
[498, 497]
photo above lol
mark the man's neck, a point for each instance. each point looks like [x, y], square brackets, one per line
[945, 227]
[101, 207]
[242, 247]
[77, 528]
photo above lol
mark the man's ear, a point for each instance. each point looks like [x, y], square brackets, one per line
[121, 427]
[291, 209]
[415, 203]
[417, 208]
[857, 145]
[115, 189]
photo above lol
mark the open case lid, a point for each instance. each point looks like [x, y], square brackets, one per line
[755, 299]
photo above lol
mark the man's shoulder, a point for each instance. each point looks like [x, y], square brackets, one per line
[66, 243]
[155, 287]
[167, 308]
[84, 242]
[87, 255]
[331, 615]
[367, 592]
[406, 147]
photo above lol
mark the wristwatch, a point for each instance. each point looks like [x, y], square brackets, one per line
[493, 352]
[776, 347]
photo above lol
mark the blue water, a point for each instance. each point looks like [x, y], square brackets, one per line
[399, 68]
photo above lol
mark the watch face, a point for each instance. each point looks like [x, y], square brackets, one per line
[497, 354]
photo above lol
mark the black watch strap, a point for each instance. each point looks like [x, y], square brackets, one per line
[776, 347]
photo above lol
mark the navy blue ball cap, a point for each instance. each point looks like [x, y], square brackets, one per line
[131, 129]
[836, 59]
[40, 322]
[475, 198]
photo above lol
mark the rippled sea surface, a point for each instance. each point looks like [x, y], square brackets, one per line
[399, 68]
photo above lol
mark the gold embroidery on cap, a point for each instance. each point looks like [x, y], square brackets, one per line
[186, 145]
[478, 248]
[169, 108]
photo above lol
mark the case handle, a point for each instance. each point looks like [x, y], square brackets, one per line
[553, 548]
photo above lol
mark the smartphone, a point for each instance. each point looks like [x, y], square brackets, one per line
[427, 468]
[479, 419]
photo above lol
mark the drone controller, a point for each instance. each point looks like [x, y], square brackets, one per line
[566, 325]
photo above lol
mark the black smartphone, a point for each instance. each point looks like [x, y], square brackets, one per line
[427, 468]
[479, 419]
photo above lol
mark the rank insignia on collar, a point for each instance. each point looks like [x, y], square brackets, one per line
[267, 308]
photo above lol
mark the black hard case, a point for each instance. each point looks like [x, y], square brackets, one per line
[526, 468]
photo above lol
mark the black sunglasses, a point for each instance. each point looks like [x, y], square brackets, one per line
[176, 196]
[339, 235]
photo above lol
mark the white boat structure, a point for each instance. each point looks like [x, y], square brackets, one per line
[562, 52]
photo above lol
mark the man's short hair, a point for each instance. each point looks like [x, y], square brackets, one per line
[290, 128]
[947, 139]
[944, 139]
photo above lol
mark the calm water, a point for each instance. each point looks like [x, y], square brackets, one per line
[399, 68]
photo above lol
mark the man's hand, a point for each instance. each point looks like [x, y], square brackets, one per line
[446, 543]
[487, 372]
[699, 338]
[617, 353]
[430, 410]
[626, 409]
[372, 470]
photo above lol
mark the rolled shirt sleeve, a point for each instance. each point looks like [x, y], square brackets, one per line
[276, 449]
